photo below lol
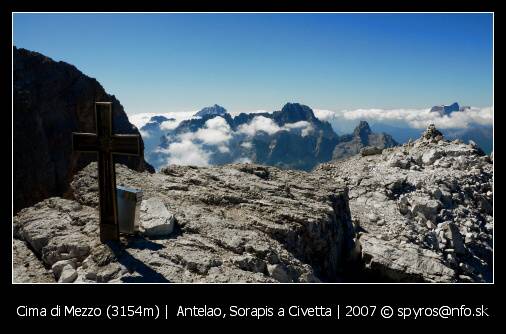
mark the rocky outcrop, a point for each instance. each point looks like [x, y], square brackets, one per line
[423, 210]
[51, 100]
[362, 138]
[26, 267]
[235, 223]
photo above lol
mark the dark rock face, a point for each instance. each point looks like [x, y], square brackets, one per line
[362, 131]
[294, 112]
[291, 149]
[51, 100]
[362, 137]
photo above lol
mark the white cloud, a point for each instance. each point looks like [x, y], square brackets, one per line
[414, 118]
[307, 130]
[186, 152]
[242, 160]
[305, 127]
[324, 115]
[247, 144]
[169, 125]
[216, 131]
[190, 150]
[259, 123]
[297, 125]
[262, 123]
[145, 134]
[223, 149]
[216, 136]
[139, 120]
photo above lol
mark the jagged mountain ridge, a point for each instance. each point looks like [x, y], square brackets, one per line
[299, 141]
[52, 100]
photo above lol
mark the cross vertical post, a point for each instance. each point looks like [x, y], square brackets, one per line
[106, 144]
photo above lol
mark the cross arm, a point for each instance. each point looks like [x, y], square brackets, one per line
[85, 142]
[126, 144]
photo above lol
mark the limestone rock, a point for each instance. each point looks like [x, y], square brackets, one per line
[68, 274]
[235, 223]
[58, 267]
[155, 219]
[26, 267]
[426, 210]
[370, 150]
[406, 264]
[430, 156]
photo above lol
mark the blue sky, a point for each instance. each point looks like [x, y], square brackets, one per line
[175, 62]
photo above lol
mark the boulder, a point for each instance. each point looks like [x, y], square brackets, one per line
[428, 208]
[57, 268]
[155, 220]
[404, 264]
[370, 150]
[430, 156]
[68, 274]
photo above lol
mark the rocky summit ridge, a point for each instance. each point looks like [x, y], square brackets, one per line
[237, 223]
[421, 212]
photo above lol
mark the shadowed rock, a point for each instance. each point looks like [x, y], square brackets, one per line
[52, 100]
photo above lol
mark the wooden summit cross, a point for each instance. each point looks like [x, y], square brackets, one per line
[105, 144]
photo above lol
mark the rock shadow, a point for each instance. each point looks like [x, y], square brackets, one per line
[147, 274]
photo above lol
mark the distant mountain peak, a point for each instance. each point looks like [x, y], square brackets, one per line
[446, 110]
[294, 112]
[362, 137]
[362, 130]
[213, 110]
